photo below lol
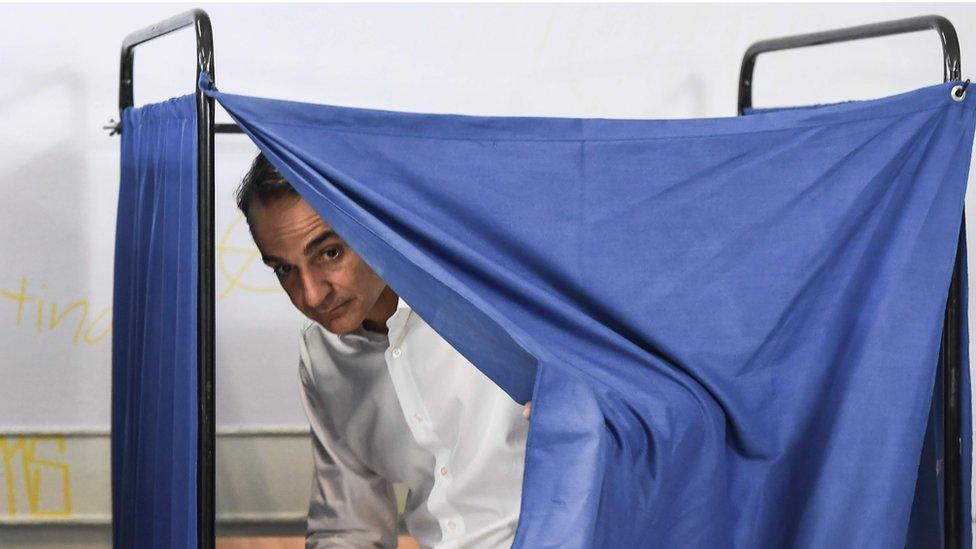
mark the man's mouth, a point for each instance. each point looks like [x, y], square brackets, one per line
[338, 308]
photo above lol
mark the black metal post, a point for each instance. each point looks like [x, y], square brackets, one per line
[949, 359]
[227, 128]
[205, 219]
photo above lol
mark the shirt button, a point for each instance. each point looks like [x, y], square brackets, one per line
[418, 417]
[397, 352]
[451, 525]
[443, 471]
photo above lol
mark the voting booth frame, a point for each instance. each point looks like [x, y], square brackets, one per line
[949, 354]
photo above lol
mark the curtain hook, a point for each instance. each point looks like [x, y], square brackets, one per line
[113, 127]
[958, 92]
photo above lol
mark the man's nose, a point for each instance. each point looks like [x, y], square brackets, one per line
[315, 290]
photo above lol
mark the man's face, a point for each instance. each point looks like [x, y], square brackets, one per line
[322, 276]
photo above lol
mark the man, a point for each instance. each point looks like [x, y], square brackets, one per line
[389, 401]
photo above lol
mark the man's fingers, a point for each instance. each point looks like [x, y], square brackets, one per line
[527, 411]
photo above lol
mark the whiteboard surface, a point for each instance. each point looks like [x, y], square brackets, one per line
[61, 169]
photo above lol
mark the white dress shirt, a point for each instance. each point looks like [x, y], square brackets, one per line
[407, 408]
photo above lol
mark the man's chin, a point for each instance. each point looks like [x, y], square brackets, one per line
[340, 322]
[339, 326]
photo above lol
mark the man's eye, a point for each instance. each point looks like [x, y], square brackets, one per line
[282, 270]
[331, 254]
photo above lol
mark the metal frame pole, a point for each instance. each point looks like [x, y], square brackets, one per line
[947, 34]
[206, 432]
[949, 359]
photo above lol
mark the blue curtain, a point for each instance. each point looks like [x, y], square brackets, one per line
[154, 342]
[729, 327]
[927, 522]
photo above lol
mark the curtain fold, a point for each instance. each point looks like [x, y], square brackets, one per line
[154, 340]
[729, 327]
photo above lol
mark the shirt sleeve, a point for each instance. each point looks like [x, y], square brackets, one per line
[350, 506]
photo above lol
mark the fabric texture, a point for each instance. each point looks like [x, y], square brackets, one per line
[154, 339]
[729, 327]
[405, 407]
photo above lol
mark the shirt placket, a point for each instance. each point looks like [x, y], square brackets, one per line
[423, 428]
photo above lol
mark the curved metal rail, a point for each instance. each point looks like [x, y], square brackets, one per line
[947, 34]
[206, 429]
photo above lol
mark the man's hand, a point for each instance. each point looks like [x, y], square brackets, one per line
[527, 411]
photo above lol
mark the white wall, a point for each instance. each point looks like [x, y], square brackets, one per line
[60, 173]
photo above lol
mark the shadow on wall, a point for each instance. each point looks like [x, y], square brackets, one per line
[688, 96]
[51, 248]
[45, 177]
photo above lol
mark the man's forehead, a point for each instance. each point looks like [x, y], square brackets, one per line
[288, 219]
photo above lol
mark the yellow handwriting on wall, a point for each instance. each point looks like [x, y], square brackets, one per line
[236, 259]
[50, 315]
[32, 474]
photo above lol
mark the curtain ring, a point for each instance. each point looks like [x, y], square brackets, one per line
[958, 92]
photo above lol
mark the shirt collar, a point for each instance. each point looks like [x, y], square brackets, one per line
[399, 317]
[402, 306]
[396, 321]
[361, 335]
